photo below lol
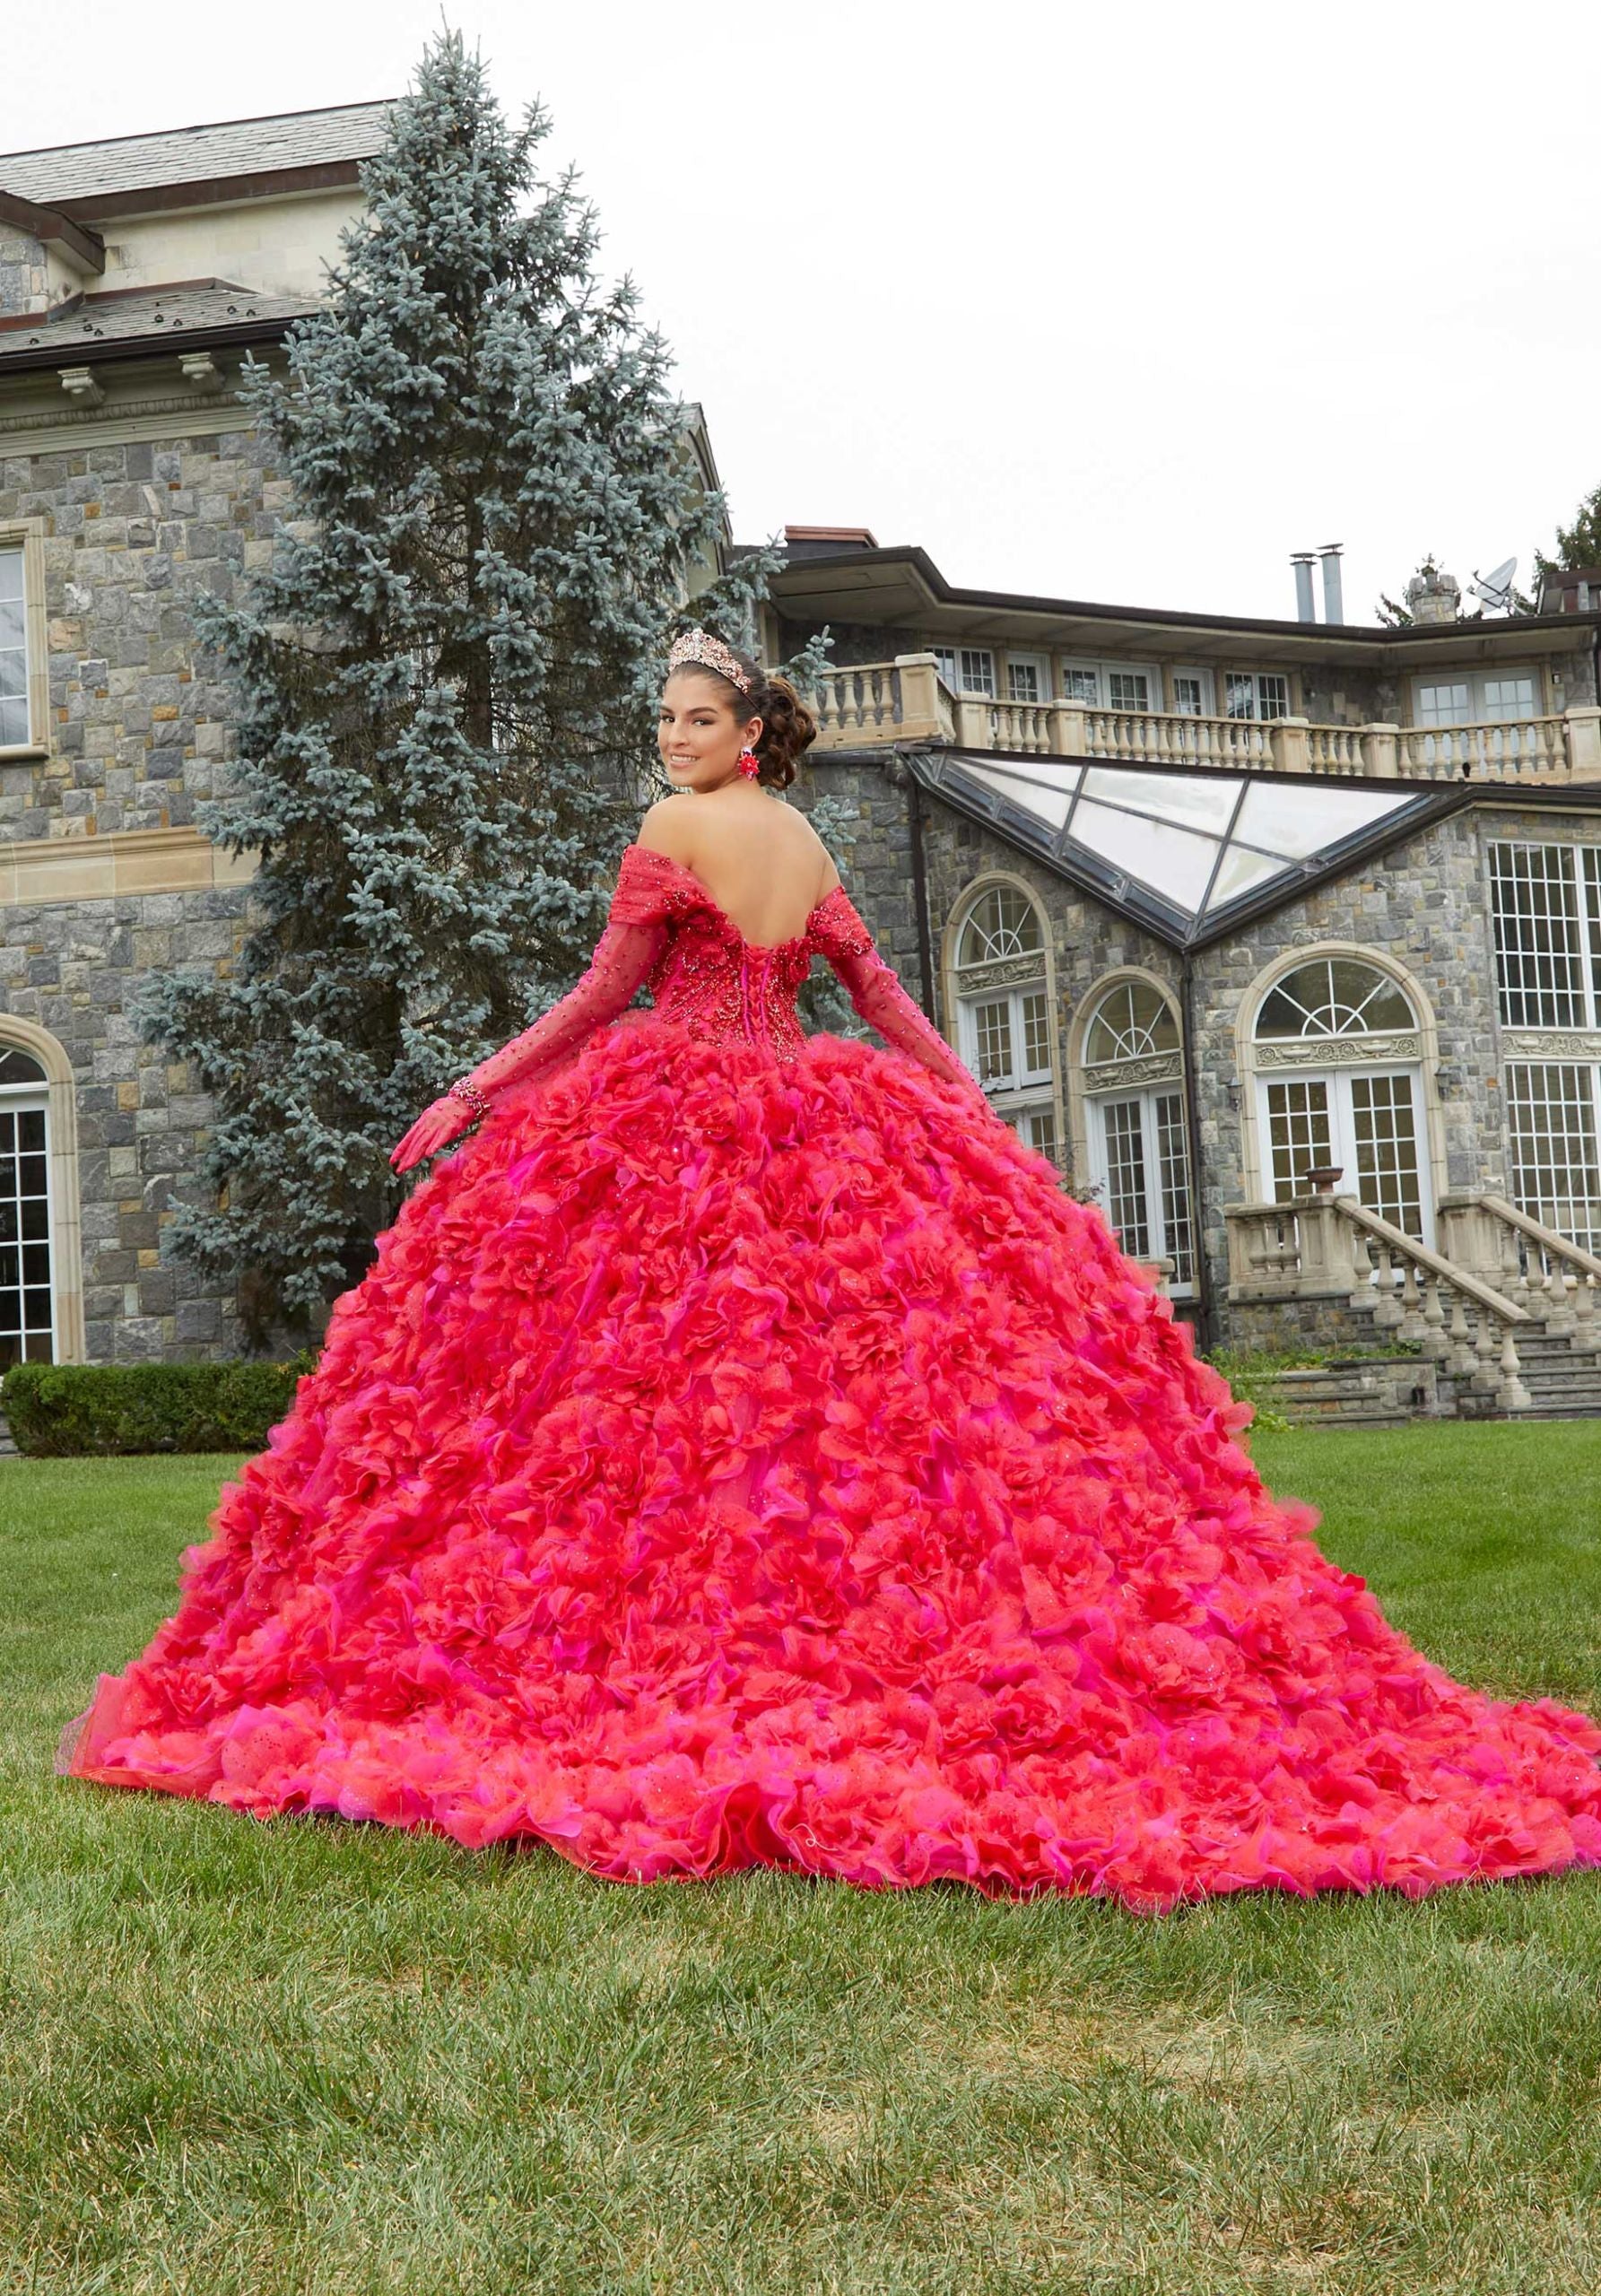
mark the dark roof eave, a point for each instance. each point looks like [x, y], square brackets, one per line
[1361, 633]
[98, 352]
[51, 228]
[266, 183]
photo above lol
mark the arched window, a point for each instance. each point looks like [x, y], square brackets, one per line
[1337, 1051]
[1001, 923]
[1130, 1023]
[27, 1288]
[1002, 1011]
[1132, 1066]
[1334, 996]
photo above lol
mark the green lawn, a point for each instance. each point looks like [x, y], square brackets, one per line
[309, 2059]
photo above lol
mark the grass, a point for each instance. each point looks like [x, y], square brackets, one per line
[310, 2059]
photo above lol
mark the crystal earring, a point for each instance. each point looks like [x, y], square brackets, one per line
[750, 765]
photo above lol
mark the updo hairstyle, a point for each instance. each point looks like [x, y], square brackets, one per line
[787, 726]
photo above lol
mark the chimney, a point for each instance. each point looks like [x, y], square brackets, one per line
[826, 542]
[1305, 610]
[1334, 608]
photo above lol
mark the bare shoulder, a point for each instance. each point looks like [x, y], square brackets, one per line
[665, 828]
[825, 860]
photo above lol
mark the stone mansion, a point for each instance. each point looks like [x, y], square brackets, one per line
[1283, 936]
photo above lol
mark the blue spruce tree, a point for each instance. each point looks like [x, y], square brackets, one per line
[444, 684]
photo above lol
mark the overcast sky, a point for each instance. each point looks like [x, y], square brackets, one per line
[1122, 304]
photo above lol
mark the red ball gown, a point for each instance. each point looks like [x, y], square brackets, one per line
[741, 1451]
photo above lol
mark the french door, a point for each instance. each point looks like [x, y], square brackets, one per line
[1138, 1148]
[1370, 1121]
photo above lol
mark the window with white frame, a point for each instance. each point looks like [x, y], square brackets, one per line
[1339, 1084]
[1131, 1068]
[1256, 693]
[967, 669]
[16, 723]
[1191, 691]
[1003, 1013]
[1546, 904]
[1475, 698]
[27, 1292]
[1110, 685]
[1552, 1110]
[1028, 677]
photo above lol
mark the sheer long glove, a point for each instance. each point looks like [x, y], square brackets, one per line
[623, 957]
[874, 989]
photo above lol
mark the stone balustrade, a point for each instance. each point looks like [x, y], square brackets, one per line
[1555, 1281]
[906, 699]
[1328, 1247]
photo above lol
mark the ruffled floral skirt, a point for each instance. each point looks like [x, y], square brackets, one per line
[725, 1464]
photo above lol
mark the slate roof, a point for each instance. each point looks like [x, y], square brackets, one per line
[201, 310]
[71, 174]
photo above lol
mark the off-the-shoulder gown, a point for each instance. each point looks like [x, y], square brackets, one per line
[741, 1450]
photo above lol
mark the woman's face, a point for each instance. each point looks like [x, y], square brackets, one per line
[700, 733]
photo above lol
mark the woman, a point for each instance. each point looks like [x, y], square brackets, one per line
[742, 1451]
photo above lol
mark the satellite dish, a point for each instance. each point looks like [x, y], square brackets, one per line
[1495, 589]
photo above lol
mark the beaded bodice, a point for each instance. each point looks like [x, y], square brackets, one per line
[665, 929]
[721, 985]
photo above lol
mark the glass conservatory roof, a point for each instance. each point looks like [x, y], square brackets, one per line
[1183, 849]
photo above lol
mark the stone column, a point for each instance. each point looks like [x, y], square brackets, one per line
[1381, 748]
[1287, 739]
[1583, 724]
[921, 714]
[1068, 732]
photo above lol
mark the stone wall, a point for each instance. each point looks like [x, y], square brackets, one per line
[138, 731]
[1424, 904]
[138, 735]
[22, 272]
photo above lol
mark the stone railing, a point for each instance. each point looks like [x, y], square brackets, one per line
[1328, 1247]
[1527, 748]
[902, 701]
[1556, 1282]
[906, 699]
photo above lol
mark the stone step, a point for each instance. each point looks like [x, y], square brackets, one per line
[1342, 1395]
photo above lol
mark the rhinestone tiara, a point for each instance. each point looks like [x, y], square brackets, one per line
[701, 646]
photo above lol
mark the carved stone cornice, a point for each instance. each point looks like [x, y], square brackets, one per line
[1551, 1044]
[1130, 1076]
[90, 417]
[1337, 1052]
[1003, 972]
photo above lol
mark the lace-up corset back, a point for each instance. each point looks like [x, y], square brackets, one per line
[727, 988]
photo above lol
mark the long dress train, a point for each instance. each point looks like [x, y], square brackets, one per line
[741, 1450]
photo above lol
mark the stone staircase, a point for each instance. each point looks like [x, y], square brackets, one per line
[1356, 1392]
[1503, 1321]
[1563, 1382]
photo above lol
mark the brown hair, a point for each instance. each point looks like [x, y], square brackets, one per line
[787, 726]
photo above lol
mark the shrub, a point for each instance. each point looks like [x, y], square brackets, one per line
[73, 1410]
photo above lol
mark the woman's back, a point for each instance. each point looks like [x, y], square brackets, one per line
[760, 859]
